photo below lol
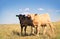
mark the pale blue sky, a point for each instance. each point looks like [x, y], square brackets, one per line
[9, 9]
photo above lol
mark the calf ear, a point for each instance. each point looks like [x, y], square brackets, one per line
[35, 14]
[28, 15]
[17, 15]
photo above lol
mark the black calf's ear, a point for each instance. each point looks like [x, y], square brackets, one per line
[24, 15]
[17, 15]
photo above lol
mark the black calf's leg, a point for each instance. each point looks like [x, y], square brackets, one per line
[21, 30]
[25, 29]
[31, 29]
[36, 30]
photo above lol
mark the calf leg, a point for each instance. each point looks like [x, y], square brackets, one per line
[25, 29]
[21, 30]
[38, 30]
[52, 29]
[31, 29]
[44, 31]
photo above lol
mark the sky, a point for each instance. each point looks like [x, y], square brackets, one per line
[10, 8]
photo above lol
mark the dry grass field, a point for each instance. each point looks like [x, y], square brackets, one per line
[12, 31]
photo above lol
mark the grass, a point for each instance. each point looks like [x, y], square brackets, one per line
[12, 31]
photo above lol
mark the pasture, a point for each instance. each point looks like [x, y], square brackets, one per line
[12, 31]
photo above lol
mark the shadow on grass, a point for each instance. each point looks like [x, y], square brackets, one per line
[19, 34]
[15, 33]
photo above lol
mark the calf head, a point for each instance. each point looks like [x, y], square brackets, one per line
[31, 16]
[20, 16]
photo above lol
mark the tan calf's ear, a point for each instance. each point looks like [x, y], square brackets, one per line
[35, 14]
[28, 15]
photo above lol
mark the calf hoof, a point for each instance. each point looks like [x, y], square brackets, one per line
[32, 34]
[37, 35]
[26, 34]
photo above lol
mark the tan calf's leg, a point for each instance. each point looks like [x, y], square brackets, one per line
[44, 31]
[52, 29]
[38, 29]
[32, 30]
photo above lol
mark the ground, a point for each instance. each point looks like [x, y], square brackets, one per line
[12, 31]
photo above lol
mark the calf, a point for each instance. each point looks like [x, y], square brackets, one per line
[41, 20]
[24, 22]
